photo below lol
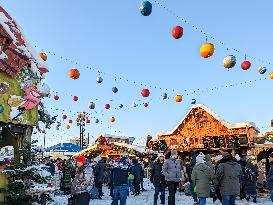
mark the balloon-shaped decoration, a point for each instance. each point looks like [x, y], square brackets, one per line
[91, 105]
[115, 89]
[64, 117]
[120, 106]
[97, 121]
[75, 98]
[99, 79]
[57, 127]
[229, 61]
[145, 93]
[146, 104]
[74, 73]
[43, 56]
[59, 124]
[56, 97]
[262, 70]
[67, 126]
[245, 65]
[107, 106]
[112, 119]
[1, 108]
[178, 98]
[177, 32]
[70, 121]
[164, 96]
[193, 101]
[146, 8]
[271, 75]
[87, 121]
[207, 50]
[134, 104]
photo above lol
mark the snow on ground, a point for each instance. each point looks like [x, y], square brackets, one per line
[146, 198]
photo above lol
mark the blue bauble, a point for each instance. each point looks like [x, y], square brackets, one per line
[115, 89]
[120, 106]
[146, 8]
[164, 96]
[97, 121]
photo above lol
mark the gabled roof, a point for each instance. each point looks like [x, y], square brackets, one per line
[214, 115]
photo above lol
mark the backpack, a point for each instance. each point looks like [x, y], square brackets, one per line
[94, 193]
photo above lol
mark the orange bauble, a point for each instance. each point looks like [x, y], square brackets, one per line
[74, 73]
[271, 75]
[178, 98]
[67, 126]
[112, 119]
[43, 56]
[207, 50]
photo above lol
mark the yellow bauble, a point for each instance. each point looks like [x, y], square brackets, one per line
[271, 75]
[178, 98]
[207, 50]
[43, 56]
[67, 126]
[112, 119]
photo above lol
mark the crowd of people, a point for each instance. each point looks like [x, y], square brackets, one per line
[222, 177]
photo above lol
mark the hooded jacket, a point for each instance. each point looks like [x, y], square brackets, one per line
[172, 170]
[157, 177]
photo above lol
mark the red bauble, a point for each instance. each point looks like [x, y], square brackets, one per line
[145, 93]
[177, 32]
[107, 106]
[146, 104]
[56, 97]
[245, 65]
[64, 117]
[87, 121]
[75, 98]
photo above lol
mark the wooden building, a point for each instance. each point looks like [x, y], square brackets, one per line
[201, 128]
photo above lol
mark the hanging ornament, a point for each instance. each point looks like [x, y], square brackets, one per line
[75, 98]
[271, 75]
[57, 127]
[229, 61]
[134, 104]
[56, 97]
[115, 89]
[245, 65]
[164, 96]
[87, 121]
[120, 106]
[178, 98]
[107, 106]
[67, 126]
[64, 117]
[193, 101]
[207, 50]
[146, 104]
[262, 70]
[99, 79]
[146, 8]
[177, 32]
[91, 105]
[43, 56]
[74, 73]
[1, 108]
[145, 93]
[112, 119]
[70, 121]
[97, 121]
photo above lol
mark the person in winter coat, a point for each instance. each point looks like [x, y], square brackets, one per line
[261, 175]
[158, 179]
[99, 174]
[81, 184]
[269, 176]
[66, 181]
[243, 163]
[228, 175]
[136, 170]
[201, 178]
[172, 171]
[119, 181]
[193, 156]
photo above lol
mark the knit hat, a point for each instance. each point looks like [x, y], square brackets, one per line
[125, 154]
[237, 157]
[81, 159]
[160, 155]
[98, 158]
[200, 158]
[173, 152]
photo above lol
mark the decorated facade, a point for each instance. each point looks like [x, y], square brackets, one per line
[201, 128]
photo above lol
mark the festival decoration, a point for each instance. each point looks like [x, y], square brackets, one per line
[178, 98]
[97, 121]
[229, 61]
[115, 89]
[31, 98]
[74, 73]
[207, 50]
[75, 98]
[64, 117]
[164, 96]
[88, 121]
[120, 106]
[245, 65]
[262, 70]
[43, 56]
[99, 79]
[1, 108]
[107, 106]
[146, 104]
[57, 127]
[193, 101]
[91, 105]
[70, 121]
[56, 97]
[134, 104]
[271, 75]
[112, 119]
[145, 93]
[177, 32]
[67, 126]
[4, 87]
[146, 8]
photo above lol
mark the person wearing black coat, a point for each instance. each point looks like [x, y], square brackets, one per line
[158, 179]
[269, 176]
[136, 170]
[193, 156]
[250, 181]
[243, 163]
[99, 174]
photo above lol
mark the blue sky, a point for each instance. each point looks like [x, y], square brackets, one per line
[114, 37]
